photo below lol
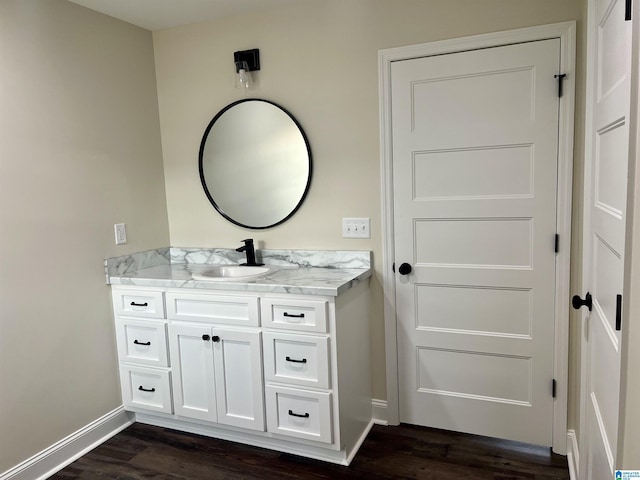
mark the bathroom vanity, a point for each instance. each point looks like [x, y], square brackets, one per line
[280, 361]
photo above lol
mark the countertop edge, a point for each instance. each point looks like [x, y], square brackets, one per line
[248, 287]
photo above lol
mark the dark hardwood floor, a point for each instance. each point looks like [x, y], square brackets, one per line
[404, 452]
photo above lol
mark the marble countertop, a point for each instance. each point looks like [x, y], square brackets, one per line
[288, 273]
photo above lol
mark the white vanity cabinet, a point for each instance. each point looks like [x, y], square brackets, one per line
[283, 371]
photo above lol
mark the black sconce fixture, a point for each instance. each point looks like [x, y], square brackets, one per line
[246, 61]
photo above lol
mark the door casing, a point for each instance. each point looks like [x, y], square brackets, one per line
[566, 32]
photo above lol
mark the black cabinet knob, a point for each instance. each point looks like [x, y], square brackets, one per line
[405, 269]
[577, 302]
[215, 338]
[206, 337]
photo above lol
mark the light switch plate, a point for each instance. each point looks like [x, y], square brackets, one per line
[355, 228]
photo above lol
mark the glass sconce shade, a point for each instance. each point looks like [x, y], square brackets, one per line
[243, 75]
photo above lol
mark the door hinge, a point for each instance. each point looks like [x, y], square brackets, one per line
[556, 243]
[627, 10]
[553, 388]
[560, 78]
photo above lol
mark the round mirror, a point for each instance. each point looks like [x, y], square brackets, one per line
[255, 163]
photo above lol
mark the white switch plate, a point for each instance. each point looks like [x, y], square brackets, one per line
[121, 233]
[355, 228]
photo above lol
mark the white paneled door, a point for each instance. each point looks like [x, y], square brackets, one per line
[475, 156]
[607, 144]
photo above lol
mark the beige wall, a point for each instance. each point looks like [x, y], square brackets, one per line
[319, 61]
[79, 151]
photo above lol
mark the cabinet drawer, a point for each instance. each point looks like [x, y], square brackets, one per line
[299, 413]
[138, 303]
[148, 388]
[226, 309]
[142, 341]
[296, 359]
[303, 315]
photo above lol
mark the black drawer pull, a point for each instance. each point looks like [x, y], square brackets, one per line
[306, 415]
[289, 359]
[292, 315]
[142, 389]
[146, 344]
[134, 304]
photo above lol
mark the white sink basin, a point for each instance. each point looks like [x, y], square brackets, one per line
[230, 273]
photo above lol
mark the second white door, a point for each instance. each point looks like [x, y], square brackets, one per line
[475, 140]
[607, 144]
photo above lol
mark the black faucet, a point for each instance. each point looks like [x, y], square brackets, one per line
[251, 253]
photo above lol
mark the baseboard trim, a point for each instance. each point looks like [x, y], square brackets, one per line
[59, 455]
[573, 455]
[379, 411]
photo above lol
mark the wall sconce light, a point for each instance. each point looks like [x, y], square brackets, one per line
[246, 61]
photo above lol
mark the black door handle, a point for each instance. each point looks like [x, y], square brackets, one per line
[146, 344]
[405, 269]
[577, 302]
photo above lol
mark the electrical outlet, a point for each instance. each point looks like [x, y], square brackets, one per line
[355, 228]
[121, 233]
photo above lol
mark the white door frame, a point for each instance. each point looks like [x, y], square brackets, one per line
[566, 31]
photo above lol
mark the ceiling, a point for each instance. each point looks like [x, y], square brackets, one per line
[158, 14]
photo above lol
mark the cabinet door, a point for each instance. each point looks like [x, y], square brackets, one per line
[238, 374]
[191, 353]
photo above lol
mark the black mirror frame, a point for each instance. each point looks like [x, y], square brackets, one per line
[201, 171]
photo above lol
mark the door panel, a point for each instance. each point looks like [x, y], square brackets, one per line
[482, 172]
[499, 311]
[475, 138]
[192, 369]
[474, 375]
[474, 242]
[607, 142]
[238, 374]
